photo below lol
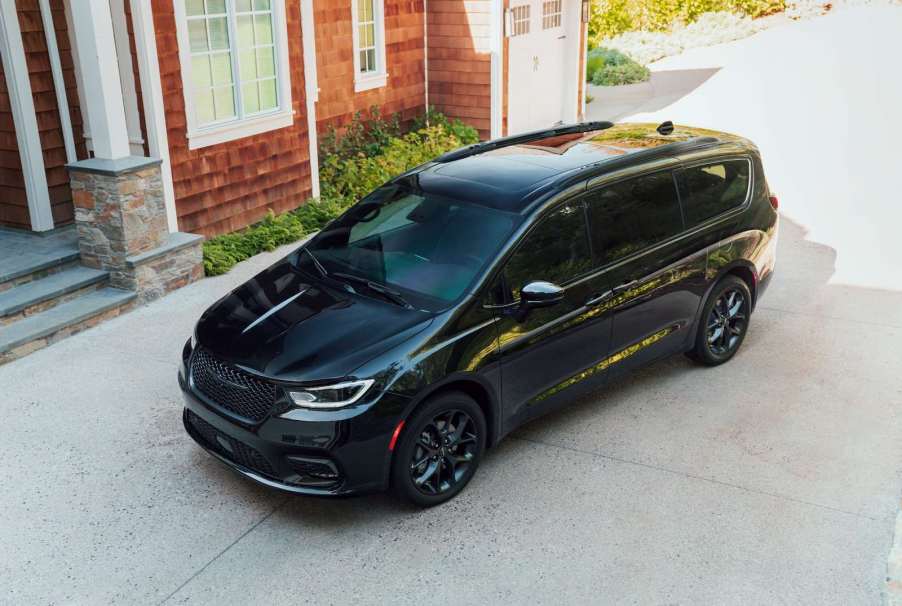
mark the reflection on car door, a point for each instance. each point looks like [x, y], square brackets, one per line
[550, 353]
[657, 281]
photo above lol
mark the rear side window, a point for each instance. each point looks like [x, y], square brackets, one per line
[714, 188]
[631, 215]
[556, 250]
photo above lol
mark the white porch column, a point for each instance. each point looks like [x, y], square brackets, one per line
[152, 92]
[21, 102]
[93, 30]
[496, 44]
[311, 90]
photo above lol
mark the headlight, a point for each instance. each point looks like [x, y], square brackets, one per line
[331, 396]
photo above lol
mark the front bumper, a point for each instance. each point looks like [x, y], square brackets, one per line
[328, 457]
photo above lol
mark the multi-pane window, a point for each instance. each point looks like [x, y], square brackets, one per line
[551, 14]
[367, 62]
[233, 59]
[520, 20]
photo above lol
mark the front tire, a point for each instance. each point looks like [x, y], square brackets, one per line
[440, 448]
[723, 323]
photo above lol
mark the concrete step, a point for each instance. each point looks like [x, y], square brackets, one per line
[42, 329]
[40, 295]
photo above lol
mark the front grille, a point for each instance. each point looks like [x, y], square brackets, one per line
[231, 388]
[238, 452]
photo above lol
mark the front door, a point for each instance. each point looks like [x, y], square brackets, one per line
[550, 354]
[657, 278]
[538, 52]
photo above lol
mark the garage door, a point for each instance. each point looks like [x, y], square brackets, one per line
[539, 76]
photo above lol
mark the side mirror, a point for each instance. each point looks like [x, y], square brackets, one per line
[540, 294]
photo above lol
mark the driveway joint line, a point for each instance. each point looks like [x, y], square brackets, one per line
[702, 478]
[224, 550]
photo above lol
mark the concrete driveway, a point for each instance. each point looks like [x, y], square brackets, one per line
[774, 479]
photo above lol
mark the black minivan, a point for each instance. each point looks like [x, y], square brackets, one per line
[474, 293]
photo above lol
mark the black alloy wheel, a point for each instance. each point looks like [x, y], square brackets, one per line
[443, 453]
[724, 322]
[439, 450]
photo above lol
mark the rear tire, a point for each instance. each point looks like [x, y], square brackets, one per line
[440, 449]
[723, 323]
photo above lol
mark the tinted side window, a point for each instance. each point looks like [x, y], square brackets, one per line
[714, 188]
[556, 250]
[633, 214]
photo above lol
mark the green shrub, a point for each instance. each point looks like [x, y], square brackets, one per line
[223, 252]
[609, 67]
[593, 64]
[361, 135]
[351, 170]
[352, 178]
[464, 132]
[610, 18]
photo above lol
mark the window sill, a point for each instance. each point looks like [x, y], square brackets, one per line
[239, 129]
[369, 82]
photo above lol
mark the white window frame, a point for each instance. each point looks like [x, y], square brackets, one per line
[237, 128]
[379, 78]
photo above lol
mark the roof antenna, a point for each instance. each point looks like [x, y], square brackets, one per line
[665, 128]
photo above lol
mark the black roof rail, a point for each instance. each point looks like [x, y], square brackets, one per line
[478, 148]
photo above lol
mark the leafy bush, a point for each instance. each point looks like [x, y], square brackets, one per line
[361, 135]
[609, 67]
[352, 178]
[349, 171]
[466, 133]
[594, 62]
[612, 17]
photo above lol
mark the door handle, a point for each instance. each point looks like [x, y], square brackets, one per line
[625, 287]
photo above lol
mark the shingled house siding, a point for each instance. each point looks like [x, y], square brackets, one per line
[46, 109]
[459, 61]
[225, 187]
[406, 88]
[13, 203]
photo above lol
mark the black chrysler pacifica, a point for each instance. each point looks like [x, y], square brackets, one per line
[474, 293]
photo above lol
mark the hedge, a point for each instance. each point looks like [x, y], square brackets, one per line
[612, 17]
[609, 67]
[348, 171]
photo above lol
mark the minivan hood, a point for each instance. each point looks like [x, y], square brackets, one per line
[287, 326]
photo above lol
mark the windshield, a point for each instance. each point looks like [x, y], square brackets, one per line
[429, 249]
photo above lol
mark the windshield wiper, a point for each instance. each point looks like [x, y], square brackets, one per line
[392, 295]
[319, 266]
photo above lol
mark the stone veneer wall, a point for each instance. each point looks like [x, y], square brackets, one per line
[120, 215]
[153, 275]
